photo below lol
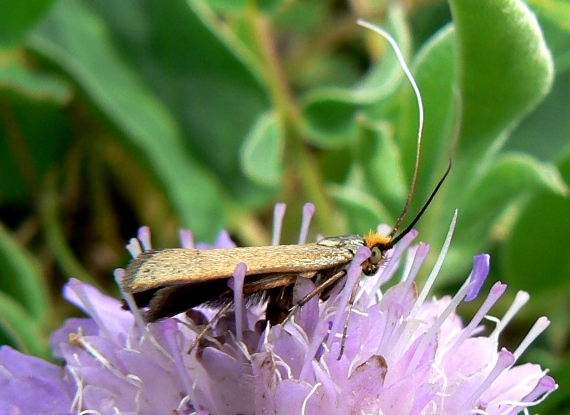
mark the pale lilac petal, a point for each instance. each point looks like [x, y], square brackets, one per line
[23, 377]
[403, 354]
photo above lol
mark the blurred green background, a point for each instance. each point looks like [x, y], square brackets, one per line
[172, 113]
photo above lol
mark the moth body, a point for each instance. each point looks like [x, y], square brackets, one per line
[171, 281]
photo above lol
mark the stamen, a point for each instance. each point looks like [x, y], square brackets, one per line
[170, 329]
[496, 292]
[431, 333]
[435, 271]
[119, 274]
[236, 284]
[96, 354]
[78, 397]
[421, 254]
[134, 247]
[77, 287]
[520, 300]
[224, 240]
[505, 360]
[480, 272]
[352, 278]
[143, 235]
[541, 324]
[304, 406]
[316, 342]
[308, 212]
[186, 238]
[278, 214]
[545, 386]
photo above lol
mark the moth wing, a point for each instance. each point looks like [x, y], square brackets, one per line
[155, 269]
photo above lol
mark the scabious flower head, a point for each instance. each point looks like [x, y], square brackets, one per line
[403, 354]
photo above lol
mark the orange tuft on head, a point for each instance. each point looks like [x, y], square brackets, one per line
[374, 238]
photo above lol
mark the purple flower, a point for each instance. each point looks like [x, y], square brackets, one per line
[403, 354]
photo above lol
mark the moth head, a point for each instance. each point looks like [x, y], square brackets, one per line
[378, 245]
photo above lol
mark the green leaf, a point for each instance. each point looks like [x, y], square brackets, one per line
[22, 331]
[262, 152]
[15, 80]
[158, 105]
[496, 59]
[536, 258]
[21, 277]
[17, 17]
[330, 111]
[364, 212]
[506, 67]
[380, 160]
[510, 176]
[557, 11]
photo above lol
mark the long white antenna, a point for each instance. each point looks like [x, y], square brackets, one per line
[410, 77]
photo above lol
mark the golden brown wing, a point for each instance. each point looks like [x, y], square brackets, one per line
[154, 269]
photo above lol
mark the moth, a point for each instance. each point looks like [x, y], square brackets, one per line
[170, 281]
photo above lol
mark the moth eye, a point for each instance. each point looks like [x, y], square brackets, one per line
[376, 255]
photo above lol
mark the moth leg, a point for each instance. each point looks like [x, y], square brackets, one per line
[345, 328]
[210, 324]
[326, 284]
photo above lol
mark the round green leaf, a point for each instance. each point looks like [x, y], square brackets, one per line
[506, 67]
[536, 255]
[330, 111]
[262, 152]
[75, 38]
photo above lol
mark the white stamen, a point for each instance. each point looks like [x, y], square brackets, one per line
[308, 212]
[505, 360]
[139, 320]
[77, 288]
[183, 402]
[420, 255]
[541, 324]
[496, 292]
[143, 235]
[436, 268]
[545, 386]
[351, 279]
[186, 238]
[520, 300]
[134, 247]
[431, 333]
[278, 214]
[236, 284]
[104, 361]
[119, 274]
[316, 342]
[170, 330]
[78, 397]
[409, 262]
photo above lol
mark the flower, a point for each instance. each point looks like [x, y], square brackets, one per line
[403, 353]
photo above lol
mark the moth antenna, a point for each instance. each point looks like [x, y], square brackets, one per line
[410, 77]
[456, 132]
[396, 239]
